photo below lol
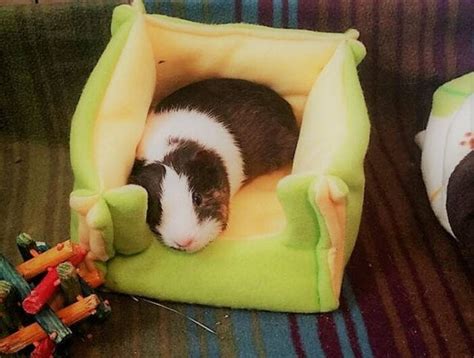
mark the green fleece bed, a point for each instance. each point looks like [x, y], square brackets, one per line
[296, 264]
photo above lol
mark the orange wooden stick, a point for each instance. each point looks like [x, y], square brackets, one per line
[54, 256]
[34, 333]
[92, 277]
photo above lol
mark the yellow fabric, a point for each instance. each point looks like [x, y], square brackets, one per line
[255, 209]
[122, 116]
[186, 52]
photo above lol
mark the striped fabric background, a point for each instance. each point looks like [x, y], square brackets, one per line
[408, 290]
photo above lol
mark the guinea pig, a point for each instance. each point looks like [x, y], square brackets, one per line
[200, 145]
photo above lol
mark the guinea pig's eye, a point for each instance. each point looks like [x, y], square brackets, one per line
[197, 199]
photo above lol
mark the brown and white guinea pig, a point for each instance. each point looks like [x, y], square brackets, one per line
[200, 145]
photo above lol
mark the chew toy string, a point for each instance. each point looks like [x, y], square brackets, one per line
[203, 326]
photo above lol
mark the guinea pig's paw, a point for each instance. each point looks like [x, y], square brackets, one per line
[467, 140]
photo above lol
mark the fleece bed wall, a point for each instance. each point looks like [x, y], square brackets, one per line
[293, 264]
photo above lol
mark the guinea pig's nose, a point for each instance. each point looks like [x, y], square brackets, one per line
[186, 242]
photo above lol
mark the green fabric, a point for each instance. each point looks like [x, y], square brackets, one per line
[450, 96]
[287, 271]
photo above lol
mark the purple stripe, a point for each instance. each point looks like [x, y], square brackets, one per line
[306, 15]
[464, 37]
[295, 336]
[328, 335]
[335, 16]
[369, 298]
[284, 14]
[353, 12]
[442, 8]
[265, 12]
[238, 10]
[420, 88]
[430, 252]
[375, 56]
[399, 119]
[430, 314]
[394, 279]
[399, 71]
[350, 327]
[374, 45]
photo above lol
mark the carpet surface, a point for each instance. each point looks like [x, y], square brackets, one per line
[408, 290]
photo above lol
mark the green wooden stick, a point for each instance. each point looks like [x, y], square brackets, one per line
[69, 282]
[25, 244]
[103, 310]
[9, 317]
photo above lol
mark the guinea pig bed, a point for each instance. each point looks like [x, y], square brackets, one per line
[291, 232]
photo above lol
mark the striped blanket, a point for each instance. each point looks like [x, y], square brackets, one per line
[408, 290]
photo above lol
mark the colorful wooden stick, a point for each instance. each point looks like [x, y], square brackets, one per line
[46, 317]
[38, 297]
[28, 247]
[69, 282]
[9, 317]
[44, 349]
[93, 277]
[34, 333]
[53, 257]
[103, 309]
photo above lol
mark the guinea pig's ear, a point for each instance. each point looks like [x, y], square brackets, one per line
[144, 174]
[206, 163]
[203, 158]
[137, 166]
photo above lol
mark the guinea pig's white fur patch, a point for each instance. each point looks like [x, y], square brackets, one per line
[179, 221]
[196, 126]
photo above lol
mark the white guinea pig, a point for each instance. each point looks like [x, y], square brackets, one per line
[200, 145]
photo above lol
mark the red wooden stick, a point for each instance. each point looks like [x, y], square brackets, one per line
[44, 349]
[41, 293]
[47, 287]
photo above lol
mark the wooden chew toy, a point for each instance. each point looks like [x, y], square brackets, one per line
[48, 286]
[72, 278]
[33, 333]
